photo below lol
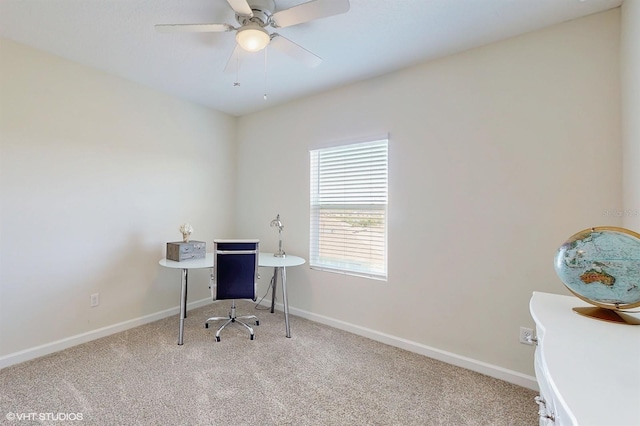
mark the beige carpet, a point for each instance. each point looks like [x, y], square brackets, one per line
[320, 376]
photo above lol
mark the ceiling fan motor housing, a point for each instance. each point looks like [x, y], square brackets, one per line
[262, 11]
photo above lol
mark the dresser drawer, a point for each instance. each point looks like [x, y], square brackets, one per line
[546, 400]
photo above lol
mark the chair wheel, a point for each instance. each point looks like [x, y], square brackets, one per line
[257, 322]
[217, 338]
[251, 337]
[206, 325]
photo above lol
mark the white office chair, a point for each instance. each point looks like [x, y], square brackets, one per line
[235, 276]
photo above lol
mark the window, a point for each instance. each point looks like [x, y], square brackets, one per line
[349, 209]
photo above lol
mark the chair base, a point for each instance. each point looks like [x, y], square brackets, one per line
[232, 318]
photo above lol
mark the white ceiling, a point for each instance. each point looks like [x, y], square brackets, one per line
[373, 38]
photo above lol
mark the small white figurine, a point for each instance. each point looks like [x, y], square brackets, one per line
[186, 230]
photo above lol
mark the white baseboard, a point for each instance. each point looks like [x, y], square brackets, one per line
[448, 357]
[48, 348]
[491, 370]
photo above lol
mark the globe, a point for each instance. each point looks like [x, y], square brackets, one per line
[602, 267]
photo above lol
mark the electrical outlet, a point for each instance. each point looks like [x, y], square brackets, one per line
[95, 300]
[526, 336]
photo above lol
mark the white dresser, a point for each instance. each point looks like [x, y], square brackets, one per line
[588, 370]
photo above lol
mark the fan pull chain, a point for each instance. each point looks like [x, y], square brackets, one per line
[265, 74]
[237, 82]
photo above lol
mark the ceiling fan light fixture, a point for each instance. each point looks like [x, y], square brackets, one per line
[253, 38]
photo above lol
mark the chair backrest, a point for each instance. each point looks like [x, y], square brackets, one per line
[235, 269]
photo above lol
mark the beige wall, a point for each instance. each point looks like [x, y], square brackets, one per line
[497, 155]
[96, 175]
[630, 67]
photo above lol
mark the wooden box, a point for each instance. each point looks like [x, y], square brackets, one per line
[180, 250]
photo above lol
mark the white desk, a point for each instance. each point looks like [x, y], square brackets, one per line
[268, 260]
[185, 265]
[280, 264]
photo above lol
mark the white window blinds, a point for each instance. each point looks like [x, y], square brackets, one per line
[349, 209]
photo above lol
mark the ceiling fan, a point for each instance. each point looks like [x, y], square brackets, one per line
[254, 16]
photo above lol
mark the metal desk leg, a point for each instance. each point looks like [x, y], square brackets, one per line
[274, 283]
[286, 302]
[183, 304]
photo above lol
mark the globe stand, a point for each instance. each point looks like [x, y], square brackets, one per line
[608, 315]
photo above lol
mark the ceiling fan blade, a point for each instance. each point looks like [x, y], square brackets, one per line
[295, 51]
[241, 7]
[309, 11]
[235, 60]
[194, 28]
